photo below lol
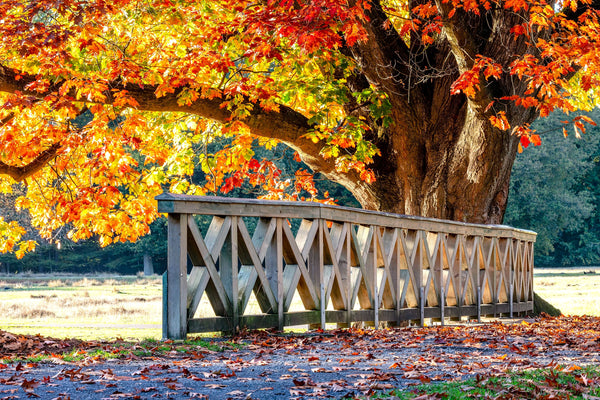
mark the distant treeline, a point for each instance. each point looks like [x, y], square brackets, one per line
[555, 191]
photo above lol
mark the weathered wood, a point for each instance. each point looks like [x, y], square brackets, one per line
[256, 271]
[345, 265]
[215, 290]
[208, 205]
[177, 277]
[302, 282]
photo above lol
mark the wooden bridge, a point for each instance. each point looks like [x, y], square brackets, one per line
[312, 264]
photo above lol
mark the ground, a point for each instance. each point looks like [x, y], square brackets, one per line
[352, 363]
[268, 365]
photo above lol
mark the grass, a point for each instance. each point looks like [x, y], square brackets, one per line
[108, 307]
[558, 383]
[572, 290]
[82, 307]
[148, 347]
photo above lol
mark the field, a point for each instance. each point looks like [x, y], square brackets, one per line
[574, 291]
[92, 307]
[108, 307]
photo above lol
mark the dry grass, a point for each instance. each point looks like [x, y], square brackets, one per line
[575, 291]
[82, 307]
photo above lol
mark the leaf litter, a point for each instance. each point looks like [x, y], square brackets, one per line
[342, 363]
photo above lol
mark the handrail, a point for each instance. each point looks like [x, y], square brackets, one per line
[344, 264]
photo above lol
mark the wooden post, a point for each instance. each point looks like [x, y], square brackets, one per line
[280, 291]
[177, 277]
[442, 303]
[478, 303]
[511, 287]
[228, 270]
[321, 267]
[314, 264]
[165, 306]
[375, 277]
[510, 299]
[422, 305]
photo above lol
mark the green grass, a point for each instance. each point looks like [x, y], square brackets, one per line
[559, 383]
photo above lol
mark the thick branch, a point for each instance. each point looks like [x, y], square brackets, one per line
[285, 124]
[383, 57]
[23, 172]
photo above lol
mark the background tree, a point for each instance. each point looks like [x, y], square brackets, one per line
[416, 107]
[555, 191]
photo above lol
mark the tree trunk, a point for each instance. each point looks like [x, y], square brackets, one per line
[148, 265]
[457, 167]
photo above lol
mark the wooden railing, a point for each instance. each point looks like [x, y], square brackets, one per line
[311, 264]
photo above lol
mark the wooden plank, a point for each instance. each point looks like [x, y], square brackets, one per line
[216, 324]
[279, 274]
[335, 289]
[215, 291]
[177, 277]
[305, 285]
[310, 240]
[303, 318]
[228, 268]
[263, 290]
[224, 324]
[210, 324]
[196, 289]
[343, 255]
[370, 270]
[175, 203]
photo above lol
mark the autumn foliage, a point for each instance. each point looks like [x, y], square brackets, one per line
[352, 363]
[156, 82]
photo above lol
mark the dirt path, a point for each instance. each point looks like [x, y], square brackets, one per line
[341, 363]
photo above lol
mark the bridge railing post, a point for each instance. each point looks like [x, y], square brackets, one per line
[176, 304]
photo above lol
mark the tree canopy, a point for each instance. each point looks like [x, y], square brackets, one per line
[415, 106]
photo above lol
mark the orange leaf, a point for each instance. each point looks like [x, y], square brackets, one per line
[499, 121]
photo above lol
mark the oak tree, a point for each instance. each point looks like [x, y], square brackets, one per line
[416, 106]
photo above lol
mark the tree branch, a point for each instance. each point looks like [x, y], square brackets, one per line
[383, 57]
[285, 124]
[21, 173]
